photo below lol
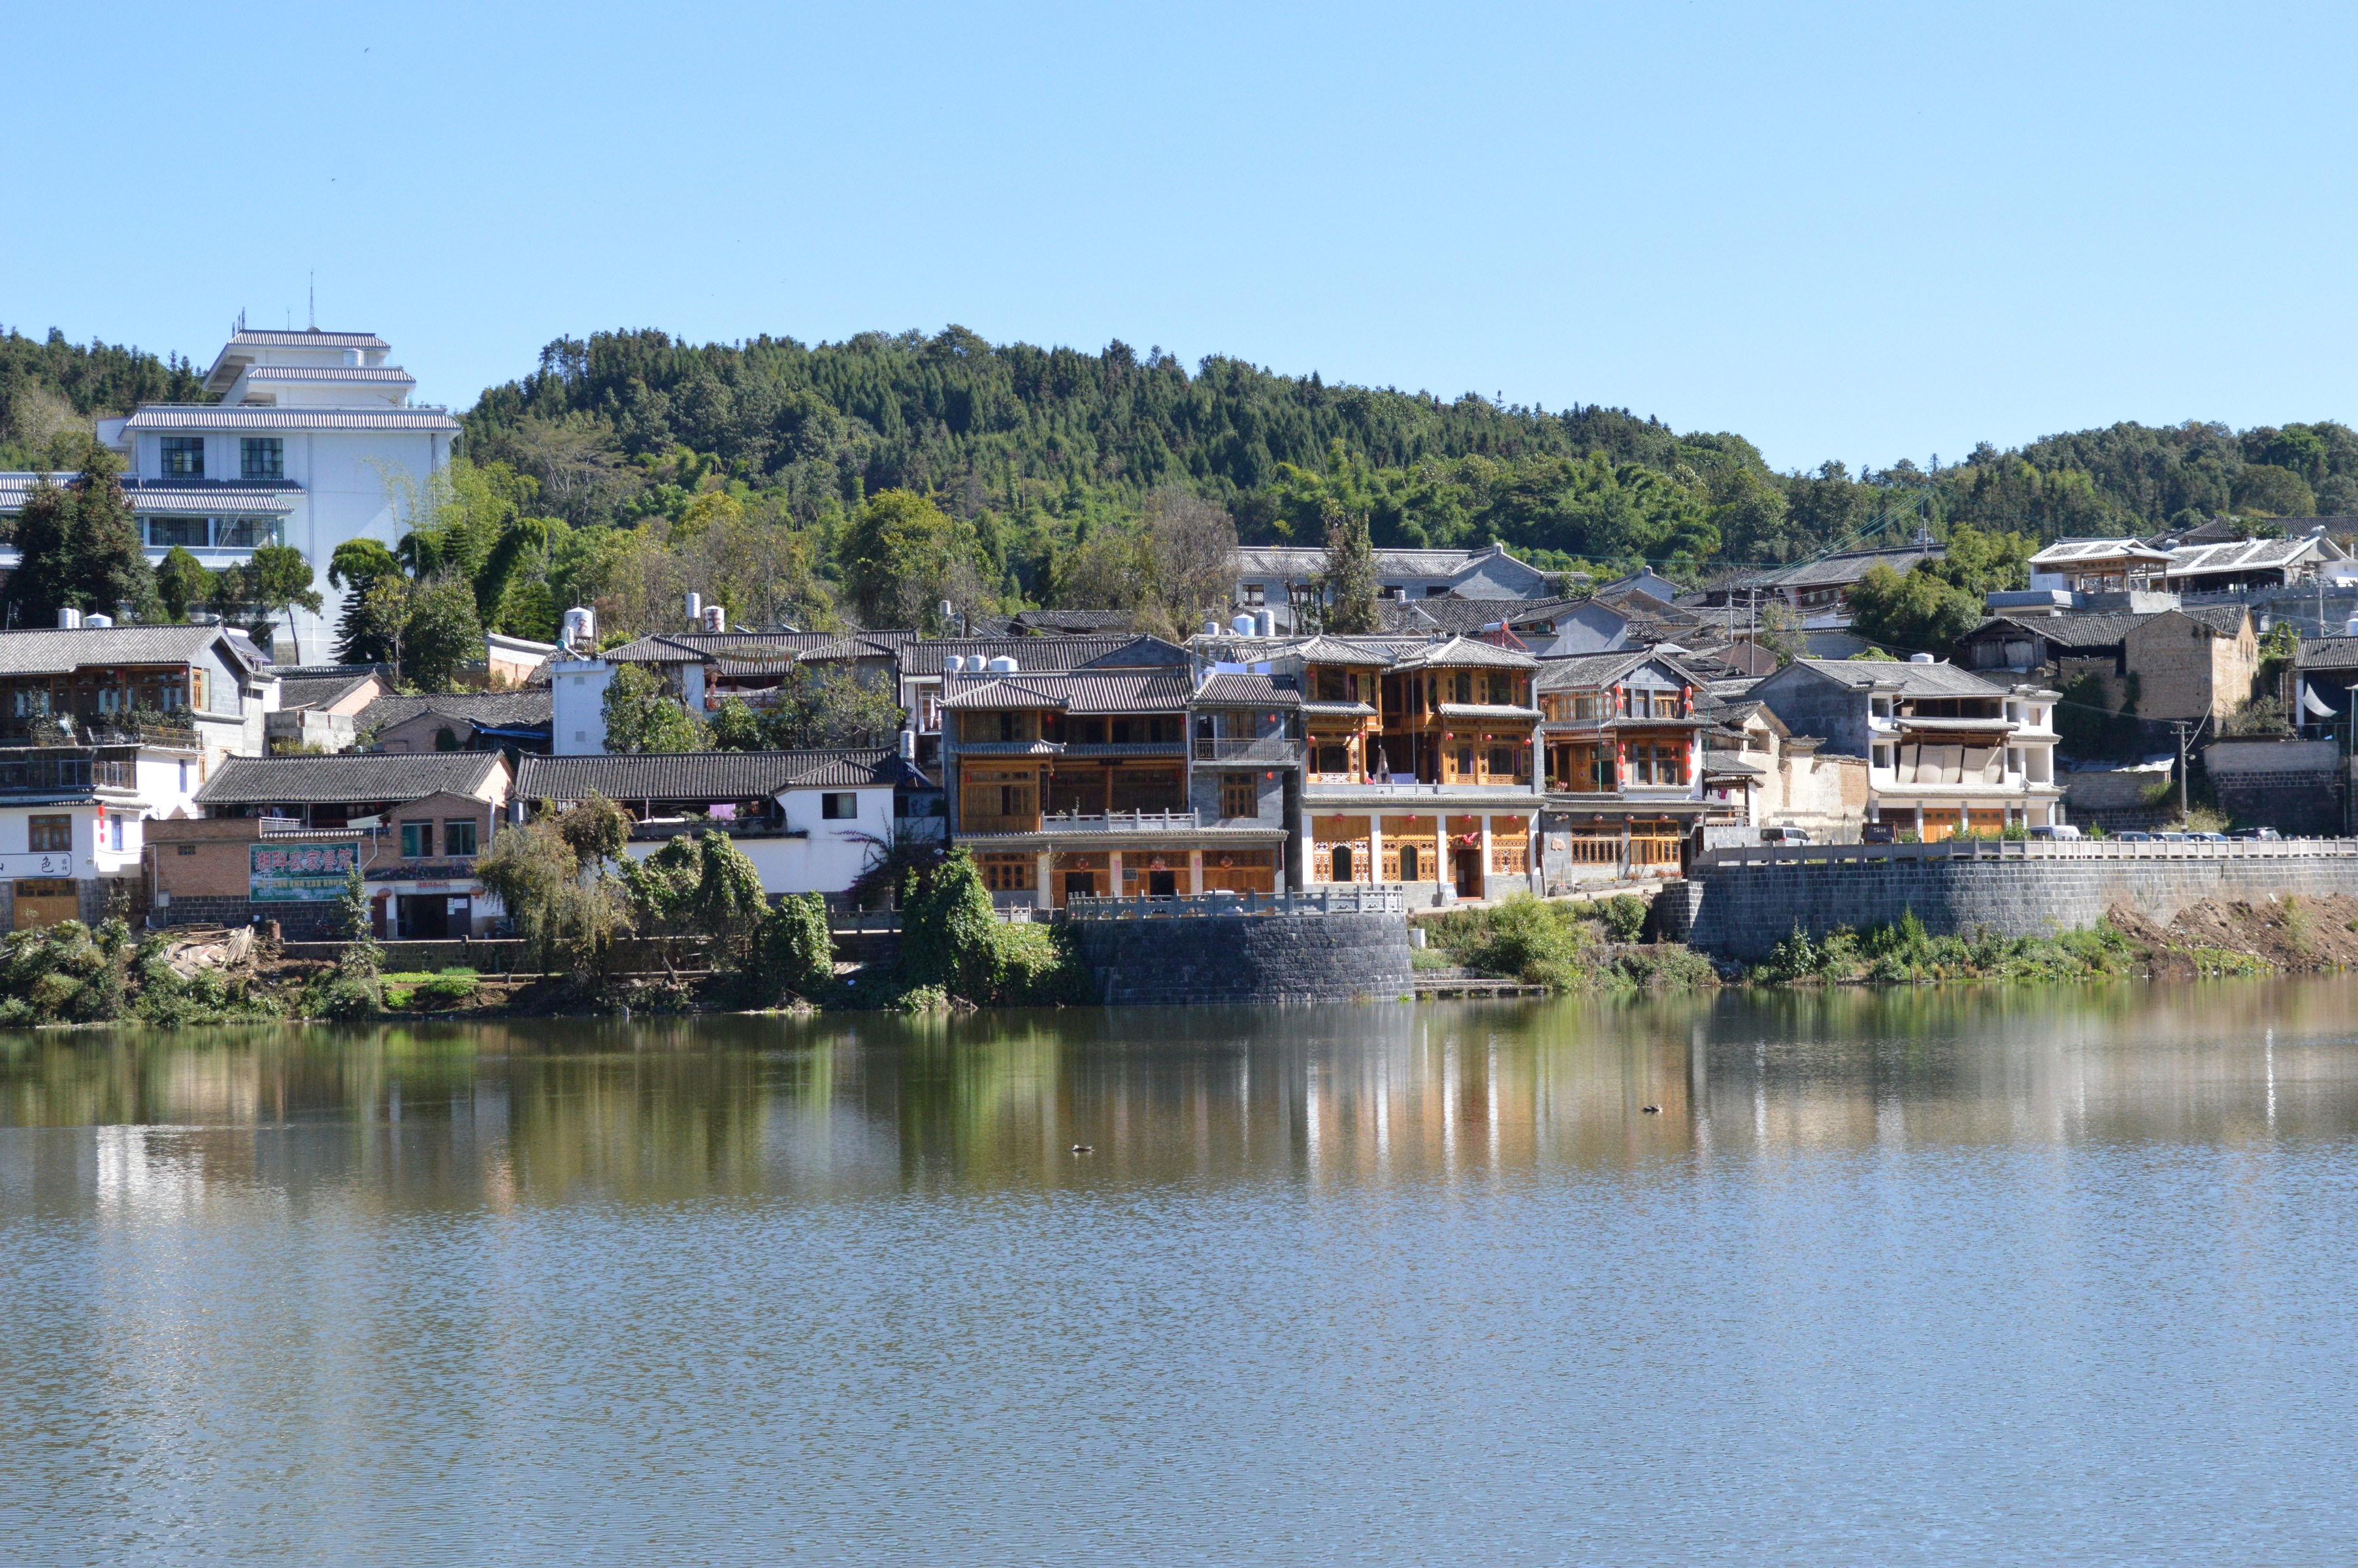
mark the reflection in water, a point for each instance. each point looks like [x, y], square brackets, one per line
[1979, 1274]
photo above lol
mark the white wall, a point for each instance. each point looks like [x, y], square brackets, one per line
[828, 861]
[578, 706]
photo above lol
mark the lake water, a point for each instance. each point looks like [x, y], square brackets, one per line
[1928, 1276]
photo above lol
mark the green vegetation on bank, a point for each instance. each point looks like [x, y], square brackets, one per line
[1567, 946]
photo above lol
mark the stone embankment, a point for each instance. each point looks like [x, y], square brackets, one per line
[1305, 954]
[1740, 904]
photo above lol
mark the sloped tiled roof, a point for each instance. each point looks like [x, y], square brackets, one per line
[1127, 651]
[1838, 570]
[351, 778]
[1462, 651]
[1003, 691]
[496, 709]
[242, 417]
[1075, 622]
[59, 652]
[2250, 554]
[1227, 688]
[2077, 552]
[708, 775]
[319, 691]
[1450, 613]
[1918, 681]
[1583, 671]
[1080, 691]
[172, 494]
[379, 375]
[2327, 654]
[1325, 650]
[308, 338]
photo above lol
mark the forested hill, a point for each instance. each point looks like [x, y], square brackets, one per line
[1039, 448]
[1035, 444]
[51, 389]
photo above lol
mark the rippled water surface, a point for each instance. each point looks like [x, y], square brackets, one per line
[1930, 1277]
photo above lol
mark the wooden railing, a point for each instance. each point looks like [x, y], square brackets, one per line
[1356, 900]
[1244, 749]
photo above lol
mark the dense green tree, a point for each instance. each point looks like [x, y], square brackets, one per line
[79, 548]
[278, 581]
[440, 633]
[642, 716]
[1915, 610]
[902, 556]
[822, 707]
[370, 627]
[181, 581]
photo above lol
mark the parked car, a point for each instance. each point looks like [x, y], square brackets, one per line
[2175, 837]
[2257, 835]
[1878, 833]
[2056, 830]
[1784, 835]
[2134, 837]
[2208, 837]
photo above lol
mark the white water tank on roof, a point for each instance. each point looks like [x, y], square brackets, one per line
[716, 618]
[1242, 626]
[955, 664]
[1265, 623]
[1001, 665]
[1922, 659]
[2350, 627]
[1211, 628]
[580, 628]
[98, 619]
[695, 609]
[69, 618]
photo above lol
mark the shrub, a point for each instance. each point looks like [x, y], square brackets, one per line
[795, 955]
[951, 938]
[1624, 916]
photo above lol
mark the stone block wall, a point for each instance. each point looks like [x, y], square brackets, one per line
[1246, 958]
[1742, 912]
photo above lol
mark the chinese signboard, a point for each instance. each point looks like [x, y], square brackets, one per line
[300, 873]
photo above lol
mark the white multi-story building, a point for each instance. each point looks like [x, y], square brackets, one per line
[314, 441]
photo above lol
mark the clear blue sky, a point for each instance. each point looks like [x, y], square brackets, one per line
[1861, 233]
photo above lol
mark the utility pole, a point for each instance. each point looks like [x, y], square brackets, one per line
[2180, 726]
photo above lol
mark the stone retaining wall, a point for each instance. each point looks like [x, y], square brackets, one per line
[1742, 912]
[1246, 958]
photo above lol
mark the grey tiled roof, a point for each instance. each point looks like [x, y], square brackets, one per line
[1308, 561]
[238, 417]
[1450, 613]
[1127, 651]
[2327, 654]
[1917, 680]
[1367, 652]
[498, 709]
[1081, 622]
[1226, 688]
[351, 778]
[1584, 670]
[2250, 554]
[382, 375]
[1485, 711]
[708, 775]
[1463, 652]
[174, 494]
[1088, 691]
[51, 652]
[308, 338]
[317, 691]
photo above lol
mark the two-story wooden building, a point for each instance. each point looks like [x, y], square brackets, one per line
[1623, 742]
[1419, 758]
[1079, 781]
